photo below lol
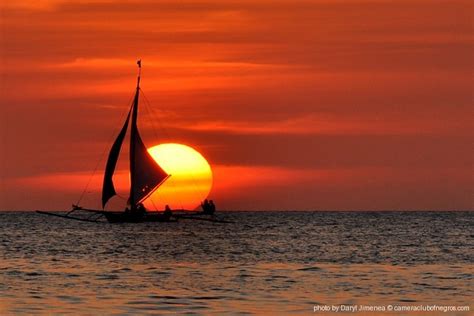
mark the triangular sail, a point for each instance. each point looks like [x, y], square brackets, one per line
[146, 175]
[108, 189]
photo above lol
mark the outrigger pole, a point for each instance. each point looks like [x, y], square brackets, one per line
[89, 219]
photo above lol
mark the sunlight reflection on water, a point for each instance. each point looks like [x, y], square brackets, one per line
[264, 263]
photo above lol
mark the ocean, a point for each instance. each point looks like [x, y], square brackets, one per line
[263, 263]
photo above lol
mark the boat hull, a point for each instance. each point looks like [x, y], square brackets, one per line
[123, 217]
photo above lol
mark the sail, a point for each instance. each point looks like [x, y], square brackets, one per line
[146, 175]
[108, 189]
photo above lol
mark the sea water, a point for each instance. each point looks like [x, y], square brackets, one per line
[262, 263]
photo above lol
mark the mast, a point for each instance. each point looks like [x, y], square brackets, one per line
[133, 137]
[145, 174]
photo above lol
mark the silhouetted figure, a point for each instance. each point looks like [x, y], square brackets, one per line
[167, 213]
[205, 206]
[141, 209]
[208, 207]
[212, 207]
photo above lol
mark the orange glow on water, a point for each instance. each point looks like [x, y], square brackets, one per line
[190, 181]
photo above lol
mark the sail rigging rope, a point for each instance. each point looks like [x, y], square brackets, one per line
[151, 117]
[153, 202]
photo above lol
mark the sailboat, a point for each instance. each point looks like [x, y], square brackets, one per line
[146, 176]
[145, 173]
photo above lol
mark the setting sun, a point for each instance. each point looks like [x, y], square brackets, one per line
[190, 181]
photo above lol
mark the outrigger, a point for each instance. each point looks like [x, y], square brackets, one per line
[97, 216]
[146, 175]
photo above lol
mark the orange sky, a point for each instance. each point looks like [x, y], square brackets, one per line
[323, 104]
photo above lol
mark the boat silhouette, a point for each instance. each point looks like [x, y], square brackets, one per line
[146, 176]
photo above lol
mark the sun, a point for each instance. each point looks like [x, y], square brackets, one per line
[190, 181]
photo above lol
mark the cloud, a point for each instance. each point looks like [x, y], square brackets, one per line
[282, 85]
[368, 188]
[319, 125]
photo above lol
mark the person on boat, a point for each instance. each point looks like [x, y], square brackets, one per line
[167, 213]
[205, 206]
[208, 207]
[212, 207]
[141, 209]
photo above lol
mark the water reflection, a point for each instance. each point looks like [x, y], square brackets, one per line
[259, 265]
